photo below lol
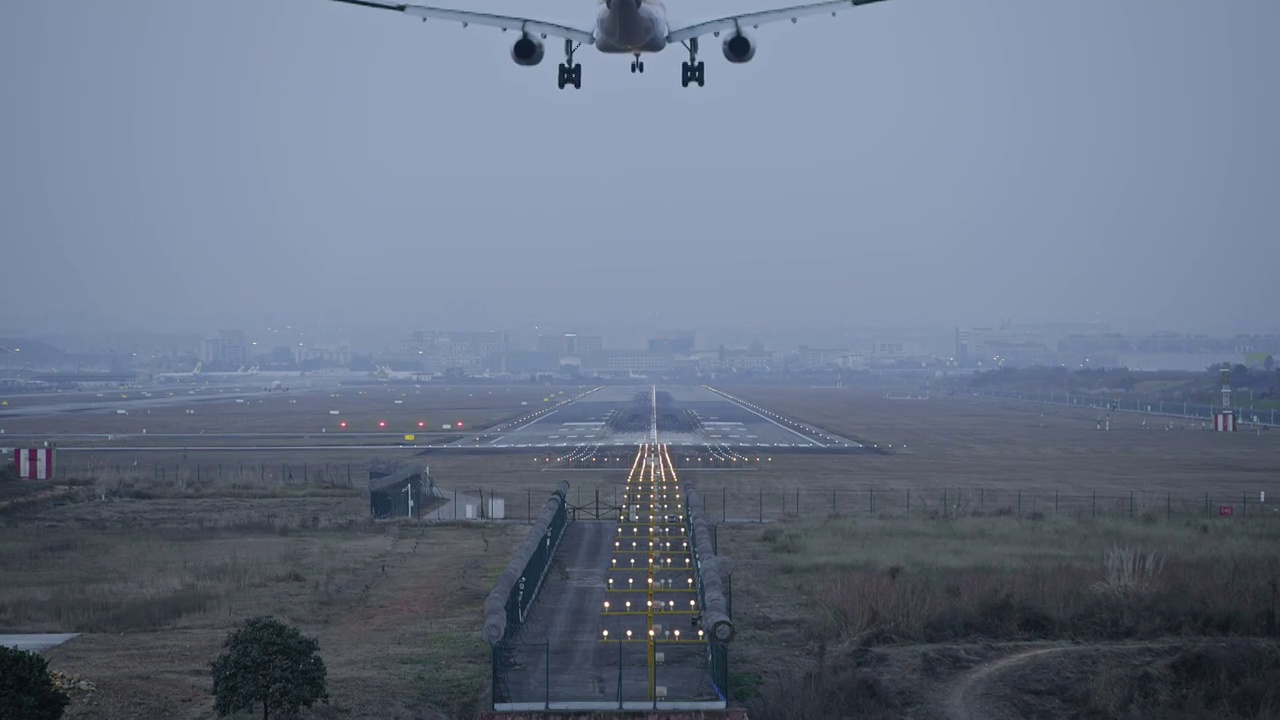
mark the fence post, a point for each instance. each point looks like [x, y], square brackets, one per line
[944, 502]
[833, 502]
[1130, 504]
[1206, 504]
[724, 505]
[1244, 505]
[546, 665]
[908, 502]
[1019, 503]
[528, 506]
[797, 502]
[1055, 502]
[1168, 503]
[1094, 509]
[873, 501]
[761, 520]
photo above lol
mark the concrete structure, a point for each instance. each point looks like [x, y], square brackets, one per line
[673, 343]
[570, 344]
[228, 349]
[1225, 419]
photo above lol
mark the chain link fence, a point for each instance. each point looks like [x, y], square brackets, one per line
[1268, 417]
[745, 504]
[604, 675]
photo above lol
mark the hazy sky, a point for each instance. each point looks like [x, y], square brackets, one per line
[916, 161]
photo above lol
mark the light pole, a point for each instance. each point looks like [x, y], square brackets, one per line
[408, 490]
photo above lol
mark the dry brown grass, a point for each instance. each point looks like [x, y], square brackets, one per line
[155, 584]
[804, 586]
[174, 564]
[298, 411]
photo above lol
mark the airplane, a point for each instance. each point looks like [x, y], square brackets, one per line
[385, 373]
[194, 372]
[623, 27]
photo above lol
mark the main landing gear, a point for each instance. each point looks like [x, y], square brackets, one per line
[637, 65]
[571, 72]
[694, 71]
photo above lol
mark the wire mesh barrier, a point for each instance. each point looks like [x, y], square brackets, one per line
[663, 618]
[194, 476]
[737, 502]
[517, 587]
[1246, 415]
[606, 675]
[402, 494]
[702, 458]
[713, 595]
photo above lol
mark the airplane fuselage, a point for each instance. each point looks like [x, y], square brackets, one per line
[631, 27]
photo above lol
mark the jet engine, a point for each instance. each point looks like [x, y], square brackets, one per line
[739, 48]
[528, 51]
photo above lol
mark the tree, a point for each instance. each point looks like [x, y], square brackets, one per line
[26, 690]
[271, 663]
[1269, 364]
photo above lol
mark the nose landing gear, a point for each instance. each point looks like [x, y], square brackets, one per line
[570, 72]
[637, 65]
[694, 71]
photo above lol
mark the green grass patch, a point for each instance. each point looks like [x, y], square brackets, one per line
[1002, 543]
[452, 672]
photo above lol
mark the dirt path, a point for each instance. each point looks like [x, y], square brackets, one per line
[36, 497]
[963, 700]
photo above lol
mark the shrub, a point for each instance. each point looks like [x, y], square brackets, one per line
[26, 690]
[271, 663]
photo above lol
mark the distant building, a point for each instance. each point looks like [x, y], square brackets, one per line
[444, 349]
[228, 349]
[1008, 345]
[626, 361]
[570, 344]
[336, 355]
[674, 343]
[818, 358]
[891, 348]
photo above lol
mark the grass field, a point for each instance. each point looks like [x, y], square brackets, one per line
[401, 407]
[890, 617]
[842, 599]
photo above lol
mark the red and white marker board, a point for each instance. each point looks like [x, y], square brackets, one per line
[34, 463]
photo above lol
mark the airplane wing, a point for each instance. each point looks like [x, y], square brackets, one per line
[504, 22]
[756, 19]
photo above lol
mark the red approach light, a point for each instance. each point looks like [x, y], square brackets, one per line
[342, 424]
[382, 423]
[421, 424]
[459, 423]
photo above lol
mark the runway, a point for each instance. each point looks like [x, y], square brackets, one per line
[689, 416]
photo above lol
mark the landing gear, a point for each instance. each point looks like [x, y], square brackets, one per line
[694, 71]
[570, 75]
[570, 72]
[637, 65]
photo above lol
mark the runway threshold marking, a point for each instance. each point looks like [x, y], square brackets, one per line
[771, 420]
